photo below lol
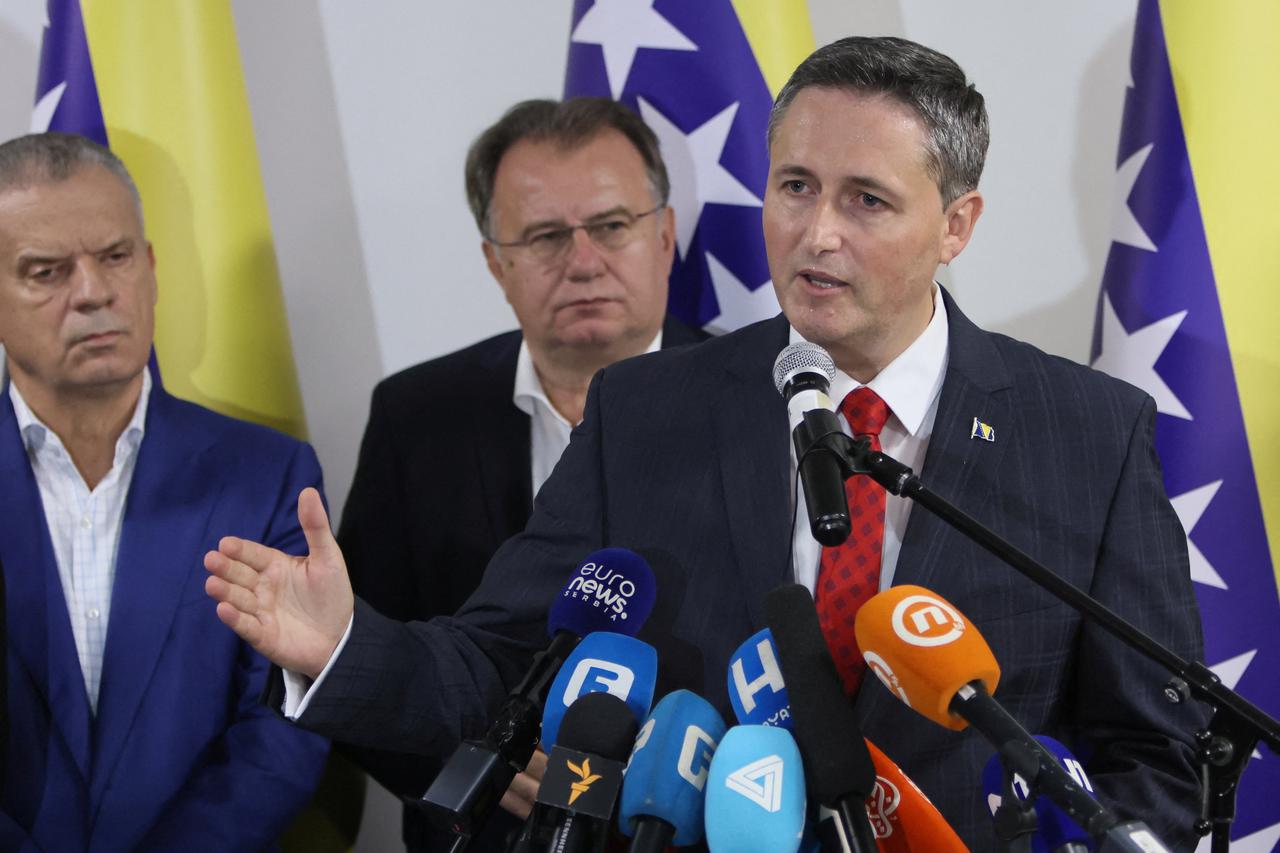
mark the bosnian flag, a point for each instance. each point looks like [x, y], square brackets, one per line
[1190, 312]
[703, 75]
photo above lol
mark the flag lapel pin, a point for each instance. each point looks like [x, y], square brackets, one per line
[986, 432]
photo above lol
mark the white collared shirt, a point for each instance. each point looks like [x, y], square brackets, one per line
[84, 525]
[548, 429]
[910, 385]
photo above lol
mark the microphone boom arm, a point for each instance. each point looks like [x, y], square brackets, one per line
[1236, 725]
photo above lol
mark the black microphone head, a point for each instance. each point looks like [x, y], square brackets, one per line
[601, 724]
[802, 358]
[836, 761]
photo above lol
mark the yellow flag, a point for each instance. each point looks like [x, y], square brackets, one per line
[174, 104]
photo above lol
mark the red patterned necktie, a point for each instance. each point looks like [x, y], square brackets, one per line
[849, 574]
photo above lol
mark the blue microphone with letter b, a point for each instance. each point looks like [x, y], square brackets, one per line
[604, 662]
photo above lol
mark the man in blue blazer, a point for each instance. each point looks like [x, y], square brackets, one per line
[876, 148]
[134, 716]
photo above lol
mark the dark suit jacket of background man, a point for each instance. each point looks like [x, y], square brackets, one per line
[180, 754]
[443, 479]
[684, 456]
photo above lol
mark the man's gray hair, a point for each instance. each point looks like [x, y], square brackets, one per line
[52, 157]
[568, 124]
[930, 83]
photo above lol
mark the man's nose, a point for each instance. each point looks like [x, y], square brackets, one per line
[90, 286]
[823, 232]
[585, 259]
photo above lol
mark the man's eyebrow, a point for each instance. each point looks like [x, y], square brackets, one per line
[871, 184]
[26, 262]
[555, 224]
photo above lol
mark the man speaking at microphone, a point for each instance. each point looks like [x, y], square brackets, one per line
[876, 148]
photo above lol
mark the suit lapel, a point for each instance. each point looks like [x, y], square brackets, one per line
[166, 516]
[502, 451]
[957, 466]
[755, 465]
[38, 625]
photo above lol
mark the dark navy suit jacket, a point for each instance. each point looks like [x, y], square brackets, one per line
[180, 755]
[684, 457]
[442, 481]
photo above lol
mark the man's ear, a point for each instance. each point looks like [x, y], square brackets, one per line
[961, 216]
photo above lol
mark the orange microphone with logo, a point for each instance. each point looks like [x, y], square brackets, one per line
[903, 818]
[924, 650]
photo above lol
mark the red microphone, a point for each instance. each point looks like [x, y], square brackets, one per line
[902, 817]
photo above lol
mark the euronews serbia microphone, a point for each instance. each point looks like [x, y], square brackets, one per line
[611, 591]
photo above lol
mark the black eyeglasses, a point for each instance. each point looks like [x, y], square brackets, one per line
[549, 245]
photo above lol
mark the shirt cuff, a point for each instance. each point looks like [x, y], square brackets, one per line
[298, 689]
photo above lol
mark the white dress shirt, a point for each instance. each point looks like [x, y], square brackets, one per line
[910, 385]
[548, 429]
[84, 525]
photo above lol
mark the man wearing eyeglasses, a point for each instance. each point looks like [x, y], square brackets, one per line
[570, 199]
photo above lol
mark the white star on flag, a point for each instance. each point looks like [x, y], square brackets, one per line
[693, 162]
[621, 27]
[42, 115]
[1132, 357]
[1190, 506]
[738, 306]
[1125, 227]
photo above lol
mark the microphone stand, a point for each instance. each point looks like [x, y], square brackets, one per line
[1234, 729]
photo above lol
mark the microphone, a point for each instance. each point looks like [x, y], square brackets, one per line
[603, 662]
[663, 793]
[612, 590]
[756, 689]
[837, 765]
[755, 792]
[575, 800]
[802, 373]
[902, 817]
[1056, 832]
[933, 659]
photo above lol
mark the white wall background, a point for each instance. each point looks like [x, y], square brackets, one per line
[363, 112]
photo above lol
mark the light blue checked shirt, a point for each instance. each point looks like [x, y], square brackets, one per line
[84, 525]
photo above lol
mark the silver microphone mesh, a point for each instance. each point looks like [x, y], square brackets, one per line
[797, 358]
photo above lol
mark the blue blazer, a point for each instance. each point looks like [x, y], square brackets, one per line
[684, 457]
[180, 754]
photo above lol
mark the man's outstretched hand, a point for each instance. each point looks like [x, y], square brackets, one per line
[293, 610]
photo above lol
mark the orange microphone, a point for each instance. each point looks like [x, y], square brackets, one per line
[933, 658]
[924, 650]
[903, 818]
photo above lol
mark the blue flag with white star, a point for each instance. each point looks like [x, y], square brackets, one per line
[703, 76]
[1188, 313]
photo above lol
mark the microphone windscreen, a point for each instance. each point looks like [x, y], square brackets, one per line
[923, 650]
[836, 761]
[667, 774]
[902, 817]
[755, 792]
[1054, 828]
[600, 724]
[756, 689]
[613, 590]
[603, 662]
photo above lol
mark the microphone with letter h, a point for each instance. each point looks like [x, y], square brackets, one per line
[902, 817]
[933, 659]
[612, 590]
